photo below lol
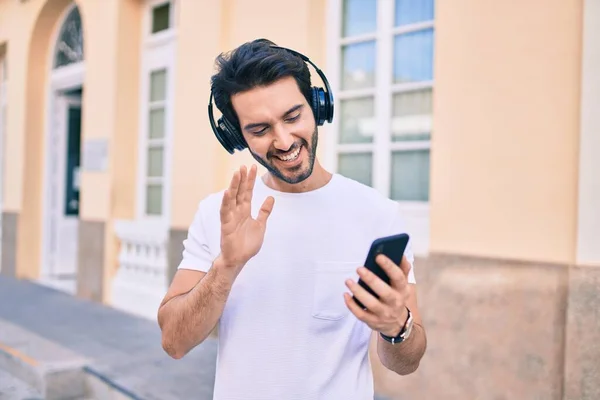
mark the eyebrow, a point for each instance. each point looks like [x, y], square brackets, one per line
[261, 124]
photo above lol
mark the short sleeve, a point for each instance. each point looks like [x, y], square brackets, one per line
[196, 251]
[397, 227]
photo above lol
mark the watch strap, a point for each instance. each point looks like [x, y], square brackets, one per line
[404, 332]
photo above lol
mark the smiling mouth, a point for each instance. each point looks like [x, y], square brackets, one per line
[290, 156]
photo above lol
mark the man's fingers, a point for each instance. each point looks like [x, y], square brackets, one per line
[233, 187]
[249, 189]
[265, 210]
[226, 205]
[383, 290]
[250, 185]
[363, 315]
[241, 193]
[367, 299]
[405, 266]
[396, 274]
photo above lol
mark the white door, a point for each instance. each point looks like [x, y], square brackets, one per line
[64, 187]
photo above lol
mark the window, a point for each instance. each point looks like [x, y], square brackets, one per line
[69, 47]
[156, 142]
[161, 17]
[385, 90]
[156, 110]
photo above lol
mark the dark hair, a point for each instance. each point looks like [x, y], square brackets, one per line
[251, 65]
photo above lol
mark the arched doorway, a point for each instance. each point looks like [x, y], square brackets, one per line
[63, 154]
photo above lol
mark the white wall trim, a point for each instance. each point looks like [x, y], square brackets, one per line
[334, 27]
[158, 52]
[68, 77]
[588, 229]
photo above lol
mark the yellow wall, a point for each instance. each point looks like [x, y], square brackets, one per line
[195, 152]
[505, 148]
[110, 109]
[200, 165]
[28, 64]
[504, 159]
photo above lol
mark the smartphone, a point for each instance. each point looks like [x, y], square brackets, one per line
[392, 247]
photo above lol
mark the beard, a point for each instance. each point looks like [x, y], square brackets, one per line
[299, 174]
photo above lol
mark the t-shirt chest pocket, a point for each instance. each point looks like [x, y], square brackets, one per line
[329, 288]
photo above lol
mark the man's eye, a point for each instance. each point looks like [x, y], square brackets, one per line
[259, 133]
[292, 119]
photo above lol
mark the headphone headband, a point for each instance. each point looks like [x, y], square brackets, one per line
[322, 105]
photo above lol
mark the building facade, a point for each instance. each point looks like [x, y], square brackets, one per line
[479, 118]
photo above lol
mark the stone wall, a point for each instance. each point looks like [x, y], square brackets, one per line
[503, 330]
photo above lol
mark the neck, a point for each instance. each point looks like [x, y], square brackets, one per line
[319, 178]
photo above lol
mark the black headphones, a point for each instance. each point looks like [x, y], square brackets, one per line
[322, 105]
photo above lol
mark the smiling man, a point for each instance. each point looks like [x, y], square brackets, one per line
[274, 260]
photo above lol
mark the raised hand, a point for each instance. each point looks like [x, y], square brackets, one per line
[241, 235]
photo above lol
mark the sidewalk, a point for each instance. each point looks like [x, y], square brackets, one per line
[39, 325]
[60, 344]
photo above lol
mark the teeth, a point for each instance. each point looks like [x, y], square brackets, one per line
[292, 156]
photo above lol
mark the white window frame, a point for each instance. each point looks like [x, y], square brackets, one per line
[158, 52]
[416, 212]
[588, 226]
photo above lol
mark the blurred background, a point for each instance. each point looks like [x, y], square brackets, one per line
[480, 117]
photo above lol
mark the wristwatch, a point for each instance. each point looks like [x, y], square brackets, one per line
[404, 332]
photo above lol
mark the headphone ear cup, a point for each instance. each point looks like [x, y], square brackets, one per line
[223, 136]
[317, 105]
[234, 136]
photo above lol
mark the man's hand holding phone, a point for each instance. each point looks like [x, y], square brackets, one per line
[387, 314]
[241, 235]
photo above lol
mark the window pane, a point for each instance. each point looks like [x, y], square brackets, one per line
[413, 56]
[69, 47]
[160, 18]
[411, 115]
[158, 85]
[356, 166]
[357, 120]
[412, 11]
[156, 129]
[410, 175]
[358, 65]
[154, 199]
[360, 17]
[155, 161]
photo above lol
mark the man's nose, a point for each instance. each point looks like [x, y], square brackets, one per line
[283, 138]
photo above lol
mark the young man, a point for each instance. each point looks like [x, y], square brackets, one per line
[274, 260]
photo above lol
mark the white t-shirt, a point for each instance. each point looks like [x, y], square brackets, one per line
[285, 332]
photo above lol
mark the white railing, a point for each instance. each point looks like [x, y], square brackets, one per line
[142, 278]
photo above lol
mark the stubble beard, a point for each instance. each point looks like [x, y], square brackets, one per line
[296, 178]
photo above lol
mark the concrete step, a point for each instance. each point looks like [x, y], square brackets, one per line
[51, 370]
[12, 388]
[34, 368]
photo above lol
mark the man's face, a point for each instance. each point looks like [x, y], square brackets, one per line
[280, 129]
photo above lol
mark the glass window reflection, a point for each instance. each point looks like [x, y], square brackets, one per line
[413, 11]
[359, 17]
[413, 56]
[358, 65]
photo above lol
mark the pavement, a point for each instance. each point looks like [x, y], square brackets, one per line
[56, 346]
[42, 325]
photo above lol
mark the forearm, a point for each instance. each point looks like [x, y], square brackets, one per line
[403, 358]
[188, 319]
